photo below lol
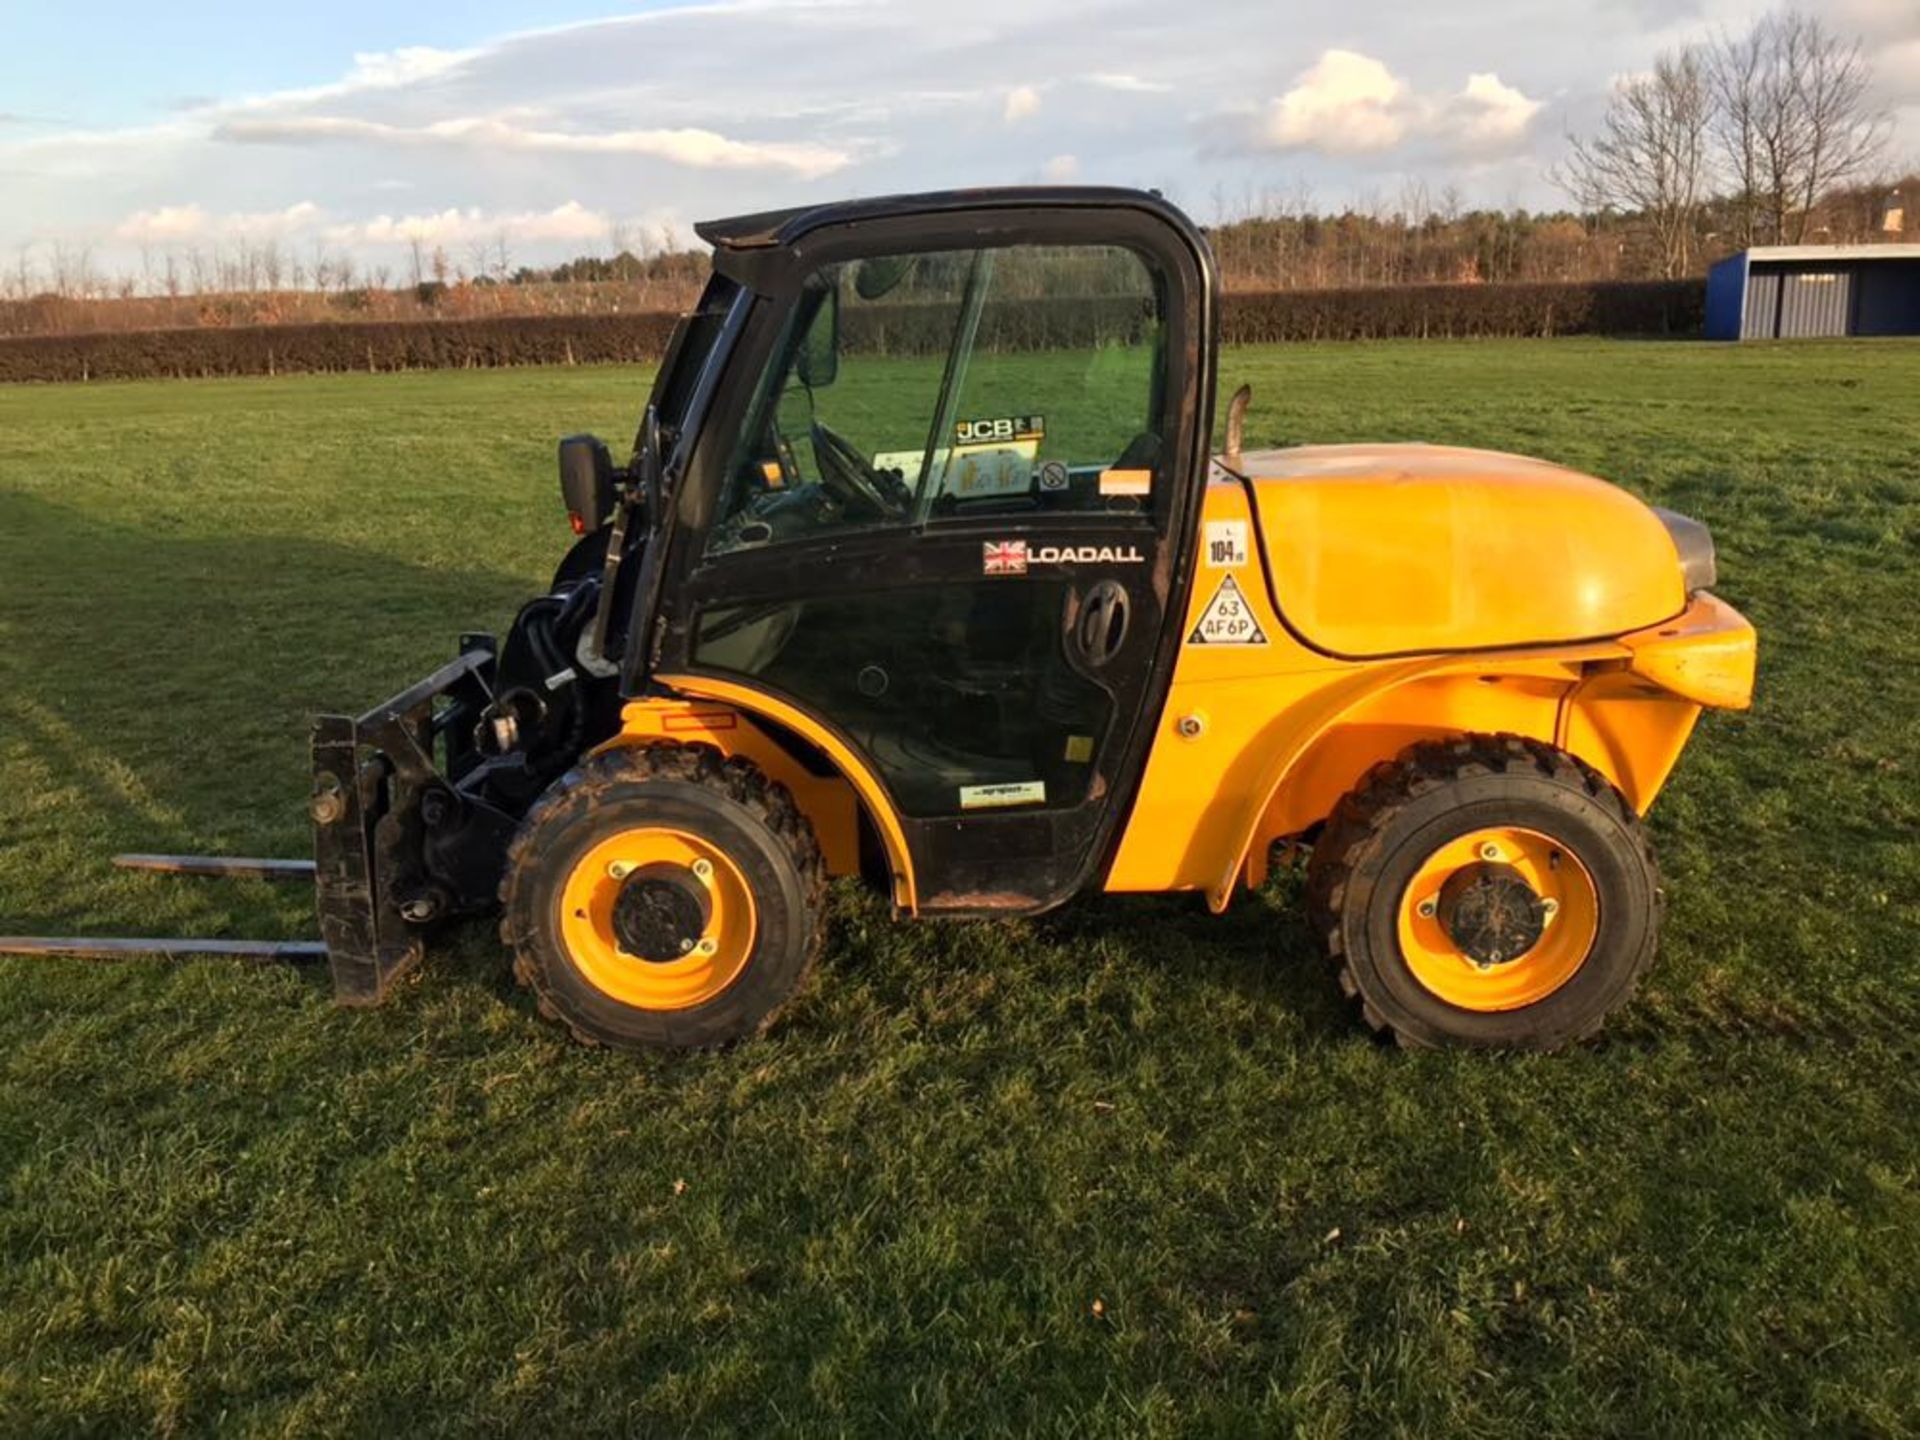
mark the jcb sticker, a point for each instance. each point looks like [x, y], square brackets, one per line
[1226, 547]
[1007, 427]
[992, 797]
[1228, 619]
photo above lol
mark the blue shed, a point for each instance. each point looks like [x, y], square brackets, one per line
[1779, 292]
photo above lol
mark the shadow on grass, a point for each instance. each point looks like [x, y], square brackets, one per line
[1261, 949]
[156, 688]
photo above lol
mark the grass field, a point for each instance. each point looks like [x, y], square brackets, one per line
[1123, 1170]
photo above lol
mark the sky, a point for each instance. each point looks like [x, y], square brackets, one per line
[543, 129]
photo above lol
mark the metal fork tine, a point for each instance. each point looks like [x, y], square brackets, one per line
[222, 866]
[113, 947]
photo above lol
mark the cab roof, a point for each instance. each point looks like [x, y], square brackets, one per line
[770, 228]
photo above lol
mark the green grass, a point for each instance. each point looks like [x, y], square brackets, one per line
[1123, 1170]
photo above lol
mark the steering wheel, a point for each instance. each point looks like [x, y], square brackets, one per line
[845, 472]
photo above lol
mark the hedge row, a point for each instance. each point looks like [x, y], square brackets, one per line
[1412, 311]
[369, 345]
[1655, 307]
[1047, 323]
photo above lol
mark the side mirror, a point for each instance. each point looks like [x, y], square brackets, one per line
[878, 274]
[586, 482]
[819, 358]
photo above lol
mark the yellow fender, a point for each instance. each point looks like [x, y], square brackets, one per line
[1297, 730]
[828, 802]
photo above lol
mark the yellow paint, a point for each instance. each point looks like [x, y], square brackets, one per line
[826, 800]
[1393, 549]
[1706, 654]
[853, 770]
[1552, 871]
[1283, 730]
[720, 953]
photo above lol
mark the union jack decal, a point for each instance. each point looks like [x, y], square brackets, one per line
[1003, 557]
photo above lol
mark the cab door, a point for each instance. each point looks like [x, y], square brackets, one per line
[944, 509]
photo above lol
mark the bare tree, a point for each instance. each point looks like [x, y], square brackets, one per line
[1736, 67]
[1794, 121]
[1649, 157]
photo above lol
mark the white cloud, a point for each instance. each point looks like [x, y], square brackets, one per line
[701, 149]
[1022, 101]
[1345, 104]
[1128, 84]
[1488, 114]
[571, 221]
[164, 224]
[1061, 168]
[169, 224]
[1350, 104]
[406, 66]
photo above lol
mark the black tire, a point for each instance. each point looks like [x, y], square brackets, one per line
[1438, 790]
[731, 806]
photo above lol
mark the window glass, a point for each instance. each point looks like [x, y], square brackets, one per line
[960, 694]
[917, 389]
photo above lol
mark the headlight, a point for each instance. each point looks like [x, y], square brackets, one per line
[1695, 544]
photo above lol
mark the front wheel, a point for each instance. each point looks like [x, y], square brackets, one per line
[1489, 890]
[663, 897]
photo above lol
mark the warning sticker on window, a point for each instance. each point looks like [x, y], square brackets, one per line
[1228, 619]
[991, 797]
[1226, 546]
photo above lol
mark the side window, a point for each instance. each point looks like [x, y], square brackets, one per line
[920, 389]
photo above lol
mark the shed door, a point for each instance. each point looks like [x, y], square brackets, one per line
[1816, 302]
[1762, 318]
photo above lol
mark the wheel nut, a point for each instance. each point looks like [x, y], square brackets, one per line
[1549, 907]
[1427, 908]
[328, 803]
[707, 947]
[1489, 851]
[1190, 727]
[619, 870]
[686, 946]
[703, 868]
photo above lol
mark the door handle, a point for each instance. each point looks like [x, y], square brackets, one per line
[1101, 628]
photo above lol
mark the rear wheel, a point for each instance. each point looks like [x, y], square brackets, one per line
[1490, 890]
[663, 897]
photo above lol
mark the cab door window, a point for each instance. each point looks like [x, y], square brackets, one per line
[915, 390]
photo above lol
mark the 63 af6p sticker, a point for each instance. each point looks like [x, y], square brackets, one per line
[1228, 619]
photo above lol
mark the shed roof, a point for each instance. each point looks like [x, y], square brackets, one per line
[1834, 252]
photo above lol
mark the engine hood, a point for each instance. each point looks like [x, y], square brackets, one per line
[1394, 549]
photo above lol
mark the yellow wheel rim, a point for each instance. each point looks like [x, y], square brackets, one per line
[1555, 875]
[718, 953]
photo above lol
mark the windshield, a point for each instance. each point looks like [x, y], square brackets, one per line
[953, 385]
[688, 350]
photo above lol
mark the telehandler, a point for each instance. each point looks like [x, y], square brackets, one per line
[922, 569]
